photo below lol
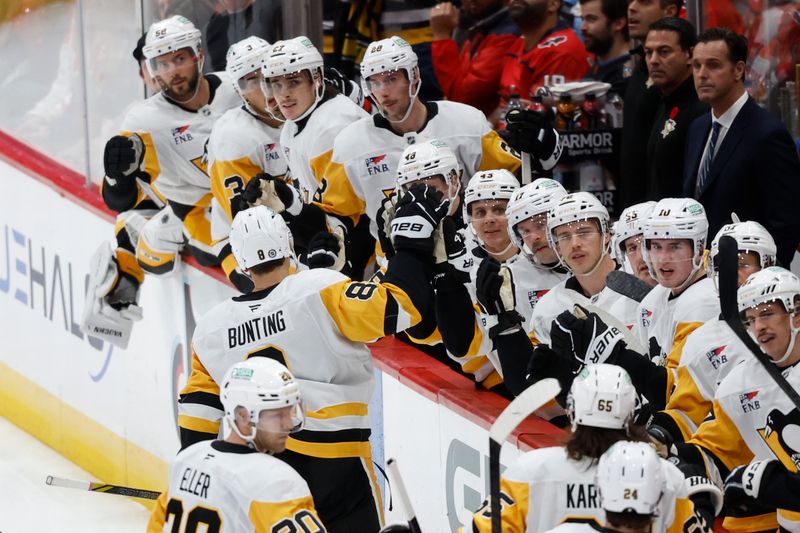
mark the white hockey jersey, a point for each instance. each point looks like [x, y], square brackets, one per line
[754, 420]
[316, 323]
[308, 144]
[543, 488]
[578, 527]
[363, 166]
[709, 354]
[664, 321]
[565, 295]
[225, 487]
[175, 141]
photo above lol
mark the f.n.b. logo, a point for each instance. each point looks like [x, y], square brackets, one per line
[375, 164]
[181, 135]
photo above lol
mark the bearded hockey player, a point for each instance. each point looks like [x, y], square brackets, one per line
[627, 240]
[156, 176]
[236, 484]
[315, 322]
[545, 487]
[243, 144]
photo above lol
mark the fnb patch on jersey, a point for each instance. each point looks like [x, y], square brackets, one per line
[748, 401]
[646, 316]
[534, 296]
[376, 165]
[716, 357]
[270, 153]
[181, 135]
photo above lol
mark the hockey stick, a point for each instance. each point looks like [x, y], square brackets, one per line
[402, 494]
[627, 285]
[526, 168]
[91, 486]
[518, 410]
[728, 264]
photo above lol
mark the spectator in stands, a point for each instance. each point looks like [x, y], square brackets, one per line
[668, 53]
[605, 34]
[474, 77]
[549, 51]
[239, 19]
[640, 101]
[150, 83]
[740, 158]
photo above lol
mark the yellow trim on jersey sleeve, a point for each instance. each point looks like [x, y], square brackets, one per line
[151, 164]
[682, 331]
[151, 259]
[159, 515]
[434, 338]
[686, 405]
[221, 171]
[229, 264]
[329, 450]
[514, 512]
[721, 437]
[200, 425]
[319, 164]
[197, 224]
[266, 515]
[200, 379]
[789, 516]
[751, 524]
[342, 409]
[337, 195]
[359, 308]
[684, 516]
[492, 380]
[497, 154]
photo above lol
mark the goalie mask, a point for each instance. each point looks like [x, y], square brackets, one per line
[602, 396]
[244, 62]
[488, 185]
[773, 284]
[390, 55]
[427, 160]
[259, 235]
[269, 393]
[291, 58]
[528, 202]
[630, 479]
[174, 57]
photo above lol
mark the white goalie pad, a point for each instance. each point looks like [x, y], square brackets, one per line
[160, 243]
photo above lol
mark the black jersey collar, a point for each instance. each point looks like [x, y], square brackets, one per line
[229, 447]
[381, 122]
[255, 295]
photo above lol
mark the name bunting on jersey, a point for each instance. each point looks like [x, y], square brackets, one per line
[749, 402]
[181, 135]
[258, 328]
[376, 164]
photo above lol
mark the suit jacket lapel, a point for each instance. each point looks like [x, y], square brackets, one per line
[732, 139]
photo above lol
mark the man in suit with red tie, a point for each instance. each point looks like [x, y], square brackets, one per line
[740, 158]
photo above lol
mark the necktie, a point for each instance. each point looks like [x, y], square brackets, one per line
[706, 167]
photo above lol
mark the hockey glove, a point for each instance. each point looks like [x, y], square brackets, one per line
[744, 483]
[278, 195]
[416, 217]
[704, 492]
[544, 363]
[532, 133]
[583, 341]
[327, 250]
[122, 157]
[494, 287]
[450, 251]
[383, 220]
[341, 83]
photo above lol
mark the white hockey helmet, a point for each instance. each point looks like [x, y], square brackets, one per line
[488, 185]
[630, 479]
[245, 57]
[259, 235]
[575, 207]
[387, 55]
[630, 224]
[425, 160]
[529, 201]
[260, 384]
[296, 55]
[750, 237]
[170, 35]
[772, 284]
[602, 396]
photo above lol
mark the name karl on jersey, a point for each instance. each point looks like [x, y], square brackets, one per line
[375, 164]
[582, 496]
[195, 482]
[256, 329]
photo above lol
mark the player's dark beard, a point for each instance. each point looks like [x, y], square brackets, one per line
[183, 96]
[528, 16]
[599, 45]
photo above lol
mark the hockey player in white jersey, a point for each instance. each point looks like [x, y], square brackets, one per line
[502, 219]
[627, 235]
[157, 165]
[317, 323]
[235, 484]
[630, 485]
[243, 143]
[712, 350]
[753, 418]
[545, 487]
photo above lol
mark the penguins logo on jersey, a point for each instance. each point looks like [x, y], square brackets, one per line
[782, 434]
[375, 164]
[181, 135]
[716, 357]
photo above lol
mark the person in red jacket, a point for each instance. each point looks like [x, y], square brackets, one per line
[472, 76]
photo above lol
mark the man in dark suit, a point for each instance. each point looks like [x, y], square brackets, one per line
[740, 158]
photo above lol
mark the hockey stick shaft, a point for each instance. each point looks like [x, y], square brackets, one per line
[531, 399]
[400, 487]
[728, 266]
[526, 168]
[92, 486]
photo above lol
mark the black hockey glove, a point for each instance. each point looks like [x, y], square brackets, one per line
[383, 219]
[743, 484]
[532, 133]
[275, 193]
[451, 252]
[582, 341]
[494, 287]
[417, 214]
[344, 85]
[123, 157]
[544, 363]
[327, 250]
[704, 493]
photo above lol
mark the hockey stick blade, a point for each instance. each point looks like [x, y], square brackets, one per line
[728, 266]
[531, 399]
[393, 472]
[627, 285]
[91, 486]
